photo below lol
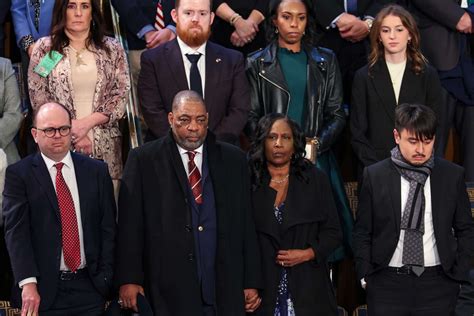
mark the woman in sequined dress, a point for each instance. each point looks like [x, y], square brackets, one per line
[296, 221]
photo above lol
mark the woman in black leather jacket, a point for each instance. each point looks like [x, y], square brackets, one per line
[296, 78]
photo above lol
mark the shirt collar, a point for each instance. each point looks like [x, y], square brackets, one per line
[67, 160]
[185, 49]
[183, 151]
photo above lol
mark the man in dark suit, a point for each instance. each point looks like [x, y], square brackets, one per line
[186, 237]
[414, 235]
[59, 213]
[443, 27]
[192, 62]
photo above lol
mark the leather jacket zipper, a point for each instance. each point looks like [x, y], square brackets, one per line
[281, 88]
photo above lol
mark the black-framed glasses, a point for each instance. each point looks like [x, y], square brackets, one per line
[51, 131]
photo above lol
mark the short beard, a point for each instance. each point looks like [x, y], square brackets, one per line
[193, 38]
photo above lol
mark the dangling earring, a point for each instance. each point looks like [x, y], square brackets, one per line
[304, 33]
[276, 31]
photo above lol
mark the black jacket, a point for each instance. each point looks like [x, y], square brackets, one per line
[373, 106]
[377, 228]
[156, 245]
[309, 220]
[269, 92]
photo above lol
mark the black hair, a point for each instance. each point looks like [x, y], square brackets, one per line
[309, 38]
[257, 159]
[417, 119]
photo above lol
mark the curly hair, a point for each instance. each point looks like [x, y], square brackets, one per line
[309, 38]
[59, 39]
[257, 159]
[413, 49]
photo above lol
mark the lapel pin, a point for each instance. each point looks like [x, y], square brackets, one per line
[218, 60]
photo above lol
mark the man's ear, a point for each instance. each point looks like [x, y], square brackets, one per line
[170, 118]
[396, 136]
[34, 133]
[174, 16]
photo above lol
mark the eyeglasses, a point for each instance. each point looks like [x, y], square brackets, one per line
[51, 131]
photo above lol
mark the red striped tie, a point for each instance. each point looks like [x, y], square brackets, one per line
[70, 232]
[194, 178]
[159, 20]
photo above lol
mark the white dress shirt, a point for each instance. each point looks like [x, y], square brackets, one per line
[197, 159]
[185, 49]
[69, 176]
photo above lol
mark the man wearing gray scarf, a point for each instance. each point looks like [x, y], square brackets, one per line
[414, 234]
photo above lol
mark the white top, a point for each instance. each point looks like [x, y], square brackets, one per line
[396, 75]
[197, 159]
[69, 176]
[464, 4]
[430, 250]
[185, 49]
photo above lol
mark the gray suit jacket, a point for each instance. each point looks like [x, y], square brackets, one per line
[10, 111]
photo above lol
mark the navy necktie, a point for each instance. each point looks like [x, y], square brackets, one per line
[195, 76]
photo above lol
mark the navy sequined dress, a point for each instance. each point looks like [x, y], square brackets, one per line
[284, 304]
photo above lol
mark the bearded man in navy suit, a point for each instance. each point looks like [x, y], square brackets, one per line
[167, 69]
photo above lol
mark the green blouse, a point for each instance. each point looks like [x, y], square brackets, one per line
[294, 67]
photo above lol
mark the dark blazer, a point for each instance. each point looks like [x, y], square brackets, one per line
[373, 106]
[135, 14]
[377, 227]
[156, 246]
[33, 225]
[309, 220]
[437, 21]
[226, 92]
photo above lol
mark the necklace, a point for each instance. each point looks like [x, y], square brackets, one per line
[282, 180]
[79, 60]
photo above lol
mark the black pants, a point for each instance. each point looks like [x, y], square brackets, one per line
[392, 294]
[76, 298]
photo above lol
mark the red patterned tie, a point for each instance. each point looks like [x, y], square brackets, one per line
[159, 20]
[194, 178]
[70, 233]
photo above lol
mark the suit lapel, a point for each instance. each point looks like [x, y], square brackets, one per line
[263, 199]
[395, 194]
[174, 60]
[408, 90]
[41, 174]
[82, 177]
[382, 84]
[437, 196]
[213, 74]
[176, 162]
[218, 175]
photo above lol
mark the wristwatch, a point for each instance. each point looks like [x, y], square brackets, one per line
[369, 23]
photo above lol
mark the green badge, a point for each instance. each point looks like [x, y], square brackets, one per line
[47, 63]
